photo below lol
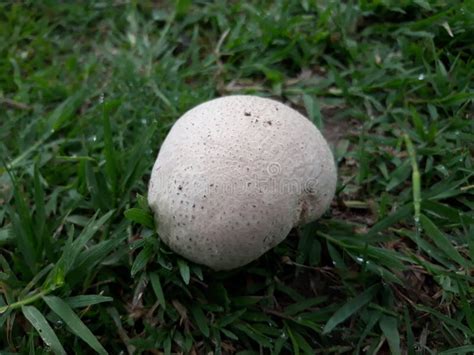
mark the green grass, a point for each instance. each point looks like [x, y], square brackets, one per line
[88, 93]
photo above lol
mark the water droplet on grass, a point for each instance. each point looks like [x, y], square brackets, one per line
[418, 227]
[442, 169]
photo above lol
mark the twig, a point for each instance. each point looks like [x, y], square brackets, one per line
[15, 104]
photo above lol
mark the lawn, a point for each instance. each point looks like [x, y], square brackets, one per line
[89, 92]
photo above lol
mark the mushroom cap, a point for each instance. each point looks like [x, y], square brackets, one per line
[234, 176]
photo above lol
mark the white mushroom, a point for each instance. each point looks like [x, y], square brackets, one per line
[234, 176]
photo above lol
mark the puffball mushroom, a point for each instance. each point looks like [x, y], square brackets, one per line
[234, 176]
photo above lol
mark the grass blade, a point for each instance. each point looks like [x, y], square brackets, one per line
[314, 112]
[184, 271]
[40, 214]
[87, 300]
[65, 312]
[470, 239]
[253, 334]
[416, 184]
[302, 343]
[466, 349]
[39, 322]
[140, 216]
[305, 305]
[450, 321]
[294, 342]
[200, 319]
[389, 328]
[88, 232]
[98, 188]
[23, 225]
[441, 241]
[410, 338]
[401, 213]
[373, 319]
[109, 151]
[65, 111]
[156, 285]
[23, 243]
[142, 259]
[350, 308]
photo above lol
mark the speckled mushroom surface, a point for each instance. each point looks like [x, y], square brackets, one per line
[234, 176]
